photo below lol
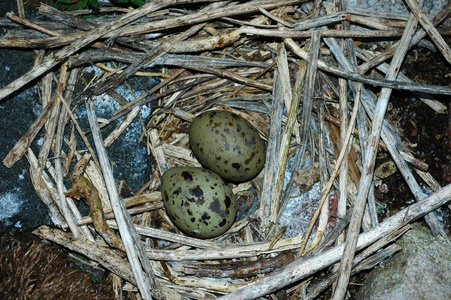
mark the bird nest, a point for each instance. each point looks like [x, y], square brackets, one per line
[295, 71]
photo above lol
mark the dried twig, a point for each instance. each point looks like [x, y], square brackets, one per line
[301, 268]
[132, 244]
[83, 40]
[326, 33]
[274, 166]
[108, 258]
[46, 191]
[420, 34]
[237, 48]
[430, 29]
[360, 259]
[368, 167]
[238, 269]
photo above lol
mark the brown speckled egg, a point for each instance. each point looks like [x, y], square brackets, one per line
[228, 145]
[198, 201]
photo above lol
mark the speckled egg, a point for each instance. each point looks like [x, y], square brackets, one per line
[198, 201]
[228, 145]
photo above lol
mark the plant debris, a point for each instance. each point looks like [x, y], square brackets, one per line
[316, 91]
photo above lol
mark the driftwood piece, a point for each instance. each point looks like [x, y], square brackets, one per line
[169, 236]
[343, 151]
[326, 33]
[307, 100]
[374, 254]
[323, 164]
[386, 83]
[62, 167]
[348, 163]
[25, 141]
[65, 18]
[168, 59]
[46, 191]
[232, 76]
[132, 211]
[52, 123]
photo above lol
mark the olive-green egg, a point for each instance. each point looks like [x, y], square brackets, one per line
[228, 145]
[198, 201]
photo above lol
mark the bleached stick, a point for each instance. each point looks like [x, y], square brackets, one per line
[130, 238]
[301, 268]
[430, 29]
[84, 40]
[272, 164]
[368, 167]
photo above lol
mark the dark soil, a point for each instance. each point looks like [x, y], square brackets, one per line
[422, 130]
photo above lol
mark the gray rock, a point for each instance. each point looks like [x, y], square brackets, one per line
[395, 6]
[422, 270]
[20, 207]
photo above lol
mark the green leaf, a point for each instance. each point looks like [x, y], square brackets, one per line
[133, 2]
[69, 5]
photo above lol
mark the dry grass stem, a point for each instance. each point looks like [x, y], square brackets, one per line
[368, 164]
[299, 269]
[297, 73]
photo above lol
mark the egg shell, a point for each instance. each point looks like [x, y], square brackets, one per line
[228, 145]
[198, 201]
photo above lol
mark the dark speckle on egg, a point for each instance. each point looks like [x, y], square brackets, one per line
[187, 176]
[223, 222]
[205, 217]
[215, 206]
[197, 191]
[197, 200]
[227, 202]
[218, 138]
[236, 166]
